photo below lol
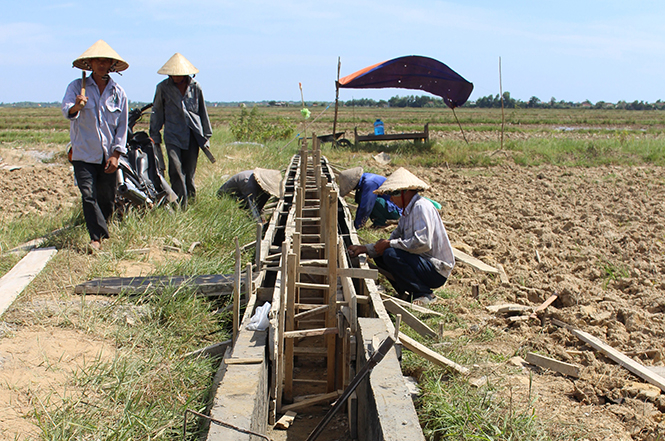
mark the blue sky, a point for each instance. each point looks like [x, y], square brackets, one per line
[260, 50]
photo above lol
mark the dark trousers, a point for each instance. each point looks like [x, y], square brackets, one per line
[97, 196]
[413, 273]
[182, 167]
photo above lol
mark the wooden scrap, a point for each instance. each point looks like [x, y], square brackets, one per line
[408, 318]
[544, 305]
[307, 402]
[310, 332]
[431, 355]
[192, 246]
[623, 360]
[19, 277]
[286, 420]
[243, 360]
[212, 285]
[561, 367]
[215, 350]
[502, 274]
[417, 308]
[171, 249]
[509, 308]
[473, 262]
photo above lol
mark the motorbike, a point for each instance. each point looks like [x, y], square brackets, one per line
[140, 180]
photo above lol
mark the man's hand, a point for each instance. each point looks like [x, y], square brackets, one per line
[112, 162]
[356, 250]
[381, 245]
[81, 100]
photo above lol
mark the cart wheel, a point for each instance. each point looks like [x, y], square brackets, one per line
[343, 142]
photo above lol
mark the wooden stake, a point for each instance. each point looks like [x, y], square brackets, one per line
[236, 293]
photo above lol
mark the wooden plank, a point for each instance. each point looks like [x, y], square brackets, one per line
[561, 367]
[356, 273]
[310, 332]
[212, 351]
[319, 286]
[286, 420]
[502, 274]
[311, 312]
[244, 360]
[431, 355]
[236, 292]
[633, 366]
[473, 262]
[212, 284]
[543, 306]
[410, 319]
[509, 308]
[411, 306]
[307, 350]
[324, 398]
[289, 325]
[19, 277]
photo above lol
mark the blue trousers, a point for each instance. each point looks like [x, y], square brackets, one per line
[97, 196]
[413, 273]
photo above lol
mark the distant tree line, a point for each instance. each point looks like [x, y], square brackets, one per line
[494, 101]
[489, 101]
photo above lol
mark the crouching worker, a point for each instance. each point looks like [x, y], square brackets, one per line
[253, 188]
[418, 256]
[377, 208]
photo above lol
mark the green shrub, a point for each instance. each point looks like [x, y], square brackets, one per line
[250, 126]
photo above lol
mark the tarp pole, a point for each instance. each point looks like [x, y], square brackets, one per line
[460, 126]
[339, 65]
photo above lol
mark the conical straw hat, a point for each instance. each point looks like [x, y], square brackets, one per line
[101, 49]
[178, 66]
[401, 179]
[269, 180]
[348, 180]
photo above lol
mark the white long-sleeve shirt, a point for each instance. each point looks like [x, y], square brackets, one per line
[421, 231]
[100, 128]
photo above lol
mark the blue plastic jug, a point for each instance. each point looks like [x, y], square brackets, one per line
[378, 127]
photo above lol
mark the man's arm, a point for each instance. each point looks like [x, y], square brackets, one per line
[157, 115]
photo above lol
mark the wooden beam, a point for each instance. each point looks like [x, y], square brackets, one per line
[411, 306]
[555, 365]
[325, 398]
[633, 366]
[236, 292]
[431, 355]
[311, 312]
[19, 277]
[473, 262]
[410, 319]
[310, 332]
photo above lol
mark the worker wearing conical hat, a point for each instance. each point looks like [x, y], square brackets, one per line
[253, 188]
[179, 108]
[97, 108]
[378, 208]
[418, 255]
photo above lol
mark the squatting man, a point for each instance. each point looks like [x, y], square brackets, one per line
[418, 256]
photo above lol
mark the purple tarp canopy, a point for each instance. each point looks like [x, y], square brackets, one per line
[413, 72]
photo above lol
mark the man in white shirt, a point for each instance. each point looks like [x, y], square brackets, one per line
[98, 132]
[418, 255]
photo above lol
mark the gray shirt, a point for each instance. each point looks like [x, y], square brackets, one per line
[179, 114]
[100, 128]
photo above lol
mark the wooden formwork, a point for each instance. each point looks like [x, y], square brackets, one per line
[315, 338]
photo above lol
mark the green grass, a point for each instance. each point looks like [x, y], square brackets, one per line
[143, 391]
